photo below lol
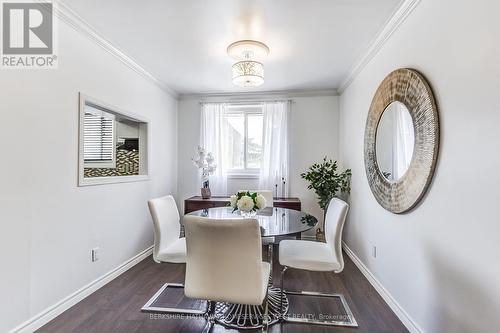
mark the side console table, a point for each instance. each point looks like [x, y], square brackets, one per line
[196, 203]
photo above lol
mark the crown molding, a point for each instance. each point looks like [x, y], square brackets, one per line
[75, 21]
[392, 24]
[72, 19]
[259, 95]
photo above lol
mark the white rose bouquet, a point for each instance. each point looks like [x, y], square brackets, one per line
[247, 202]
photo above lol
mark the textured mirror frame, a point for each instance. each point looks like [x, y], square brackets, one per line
[410, 88]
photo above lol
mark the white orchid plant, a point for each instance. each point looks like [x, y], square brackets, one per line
[205, 162]
[247, 201]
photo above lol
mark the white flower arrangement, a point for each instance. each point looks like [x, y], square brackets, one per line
[247, 202]
[205, 162]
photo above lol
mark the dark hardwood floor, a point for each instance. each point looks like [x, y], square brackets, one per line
[116, 306]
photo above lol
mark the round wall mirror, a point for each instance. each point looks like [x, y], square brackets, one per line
[395, 140]
[401, 140]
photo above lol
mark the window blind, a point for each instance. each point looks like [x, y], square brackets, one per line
[98, 138]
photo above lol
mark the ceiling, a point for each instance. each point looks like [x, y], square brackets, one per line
[183, 43]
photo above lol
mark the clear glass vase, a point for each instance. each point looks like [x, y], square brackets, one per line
[248, 214]
[205, 190]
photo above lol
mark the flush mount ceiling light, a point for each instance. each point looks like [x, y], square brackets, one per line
[248, 71]
[248, 74]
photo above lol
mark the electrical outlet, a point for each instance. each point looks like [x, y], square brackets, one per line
[95, 254]
[374, 251]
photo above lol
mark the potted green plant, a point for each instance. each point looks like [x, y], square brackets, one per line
[327, 183]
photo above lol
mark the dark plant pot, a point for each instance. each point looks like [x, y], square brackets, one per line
[206, 193]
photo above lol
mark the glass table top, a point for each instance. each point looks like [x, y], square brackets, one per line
[274, 221]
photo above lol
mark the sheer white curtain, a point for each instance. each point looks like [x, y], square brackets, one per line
[274, 165]
[214, 128]
[403, 141]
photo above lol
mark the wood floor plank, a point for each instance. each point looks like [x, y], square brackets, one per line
[116, 306]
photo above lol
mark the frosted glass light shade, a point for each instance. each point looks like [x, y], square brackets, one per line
[248, 74]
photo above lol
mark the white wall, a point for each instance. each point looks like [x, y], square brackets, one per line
[440, 261]
[313, 135]
[48, 225]
[127, 130]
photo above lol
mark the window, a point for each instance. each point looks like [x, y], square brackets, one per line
[99, 138]
[244, 138]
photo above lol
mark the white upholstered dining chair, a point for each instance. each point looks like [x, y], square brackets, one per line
[224, 263]
[169, 247]
[318, 256]
[268, 195]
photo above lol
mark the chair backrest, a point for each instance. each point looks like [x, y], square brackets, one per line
[268, 195]
[334, 224]
[166, 222]
[224, 260]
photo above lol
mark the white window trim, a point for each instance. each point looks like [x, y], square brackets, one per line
[246, 173]
[240, 175]
[144, 142]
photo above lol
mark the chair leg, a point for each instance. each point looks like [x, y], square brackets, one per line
[149, 308]
[282, 290]
[265, 320]
[349, 321]
[270, 258]
[208, 313]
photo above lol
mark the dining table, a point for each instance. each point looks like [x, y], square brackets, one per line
[275, 223]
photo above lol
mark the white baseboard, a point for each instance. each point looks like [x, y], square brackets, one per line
[53, 311]
[405, 318]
